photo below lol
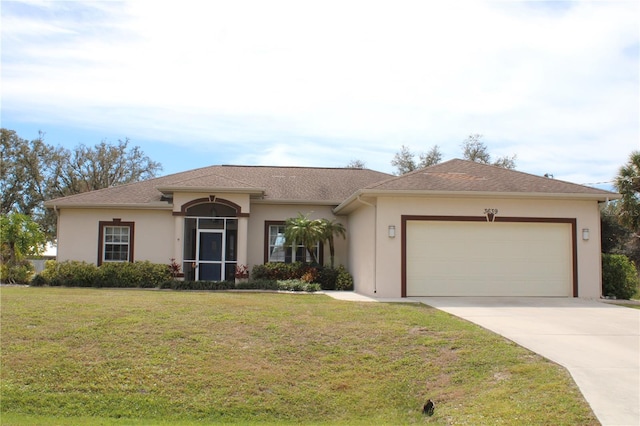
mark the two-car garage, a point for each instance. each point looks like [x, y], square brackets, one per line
[471, 256]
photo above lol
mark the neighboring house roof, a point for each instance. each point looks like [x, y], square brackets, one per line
[274, 184]
[468, 178]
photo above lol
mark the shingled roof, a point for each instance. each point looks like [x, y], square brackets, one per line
[467, 176]
[276, 184]
[331, 186]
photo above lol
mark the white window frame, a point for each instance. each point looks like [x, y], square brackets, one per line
[118, 239]
[276, 241]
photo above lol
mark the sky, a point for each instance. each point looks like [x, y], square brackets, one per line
[322, 83]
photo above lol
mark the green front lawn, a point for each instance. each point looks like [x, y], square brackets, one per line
[72, 356]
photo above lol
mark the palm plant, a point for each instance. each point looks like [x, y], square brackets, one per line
[628, 184]
[304, 231]
[331, 228]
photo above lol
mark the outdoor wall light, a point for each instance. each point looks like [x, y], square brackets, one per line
[585, 234]
[392, 231]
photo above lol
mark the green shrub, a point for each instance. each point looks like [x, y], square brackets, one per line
[297, 285]
[19, 272]
[327, 278]
[138, 274]
[279, 271]
[344, 281]
[619, 276]
[70, 273]
[111, 274]
[260, 284]
[202, 285]
[38, 281]
[312, 287]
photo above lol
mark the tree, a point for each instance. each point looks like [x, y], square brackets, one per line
[102, 166]
[627, 183]
[473, 149]
[356, 164]
[331, 228]
[304, 231]
[403, 161]
[431, 158]
[32, 172]
[613, 235]
[20, 237]
[25, 167]
[506, 162]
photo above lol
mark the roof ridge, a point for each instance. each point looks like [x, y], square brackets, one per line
[298, 167]
[492, 172]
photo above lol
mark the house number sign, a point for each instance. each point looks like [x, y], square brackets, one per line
[490, 214]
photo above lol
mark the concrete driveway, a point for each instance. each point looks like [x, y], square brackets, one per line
[598, 343]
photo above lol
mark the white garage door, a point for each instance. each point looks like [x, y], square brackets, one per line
[488, 259]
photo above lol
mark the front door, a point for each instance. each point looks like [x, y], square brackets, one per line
[210, 265]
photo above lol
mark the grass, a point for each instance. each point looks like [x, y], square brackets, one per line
[115, 357]
[629, 305]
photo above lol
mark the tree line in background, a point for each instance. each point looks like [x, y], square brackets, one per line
[32, 172]
[473, 149]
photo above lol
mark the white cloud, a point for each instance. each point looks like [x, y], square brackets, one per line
[553, 85]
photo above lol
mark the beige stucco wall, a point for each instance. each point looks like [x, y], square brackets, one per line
[261, 213]
[159, 233]
[362, 249]
[390, 210]
[78, 233]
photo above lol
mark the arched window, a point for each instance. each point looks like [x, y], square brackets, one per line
[211, 210]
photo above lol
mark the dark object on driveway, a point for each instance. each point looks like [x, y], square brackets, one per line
[429, 408]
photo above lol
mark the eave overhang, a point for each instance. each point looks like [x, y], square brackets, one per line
[346, 205]
[123, 206]
[296, 202]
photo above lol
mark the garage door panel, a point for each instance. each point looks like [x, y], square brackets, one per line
[488, 259]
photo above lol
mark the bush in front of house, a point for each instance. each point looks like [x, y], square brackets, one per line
[344, 281]
[326, 278]
[137, 274]
[257, 284]
[121, 274]
[619, 276]
[201, 285]
[152, 275]
[279, 271]
[260, 284]
[298, 285]
[19, 272]
[69, 274]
